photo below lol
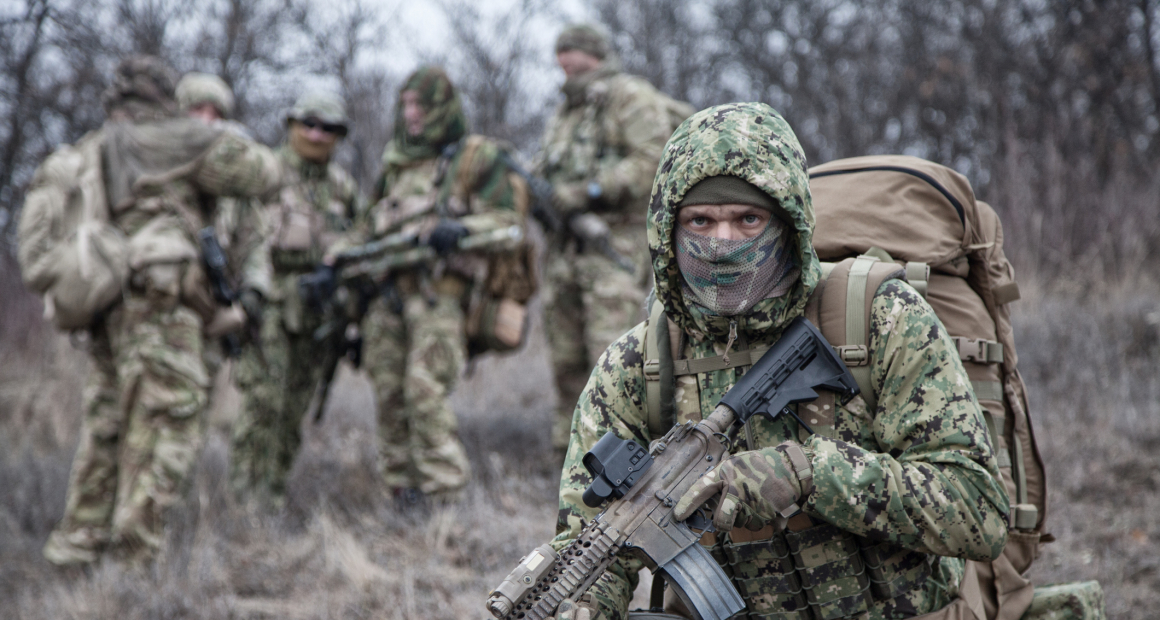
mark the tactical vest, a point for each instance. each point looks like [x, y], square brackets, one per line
[308, 215]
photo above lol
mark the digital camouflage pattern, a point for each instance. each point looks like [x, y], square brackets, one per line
[145, 397]
[277, 380]
[414, 331]
[918, 472]
[610, 129]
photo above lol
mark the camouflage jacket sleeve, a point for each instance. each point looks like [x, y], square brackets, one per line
[637, 128]
[235, 166]
[932, 483]
[612, 401]
[496, 197]
[243, 224]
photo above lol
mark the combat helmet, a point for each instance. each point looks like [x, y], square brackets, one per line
[326, 107]
[197, 88]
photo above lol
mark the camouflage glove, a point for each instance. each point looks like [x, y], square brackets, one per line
[583, 610]
[570, 198]
[445, 238]
[758, 484]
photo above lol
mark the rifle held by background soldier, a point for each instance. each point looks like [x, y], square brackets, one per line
[588, 228]
[325, 290]
[213, 259]
[644, 487]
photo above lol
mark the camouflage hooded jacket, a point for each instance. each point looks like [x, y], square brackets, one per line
[918, 471]
[472, 183]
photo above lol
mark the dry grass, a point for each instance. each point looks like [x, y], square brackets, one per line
[342, 550]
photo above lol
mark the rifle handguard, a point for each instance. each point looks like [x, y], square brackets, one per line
[641, 520]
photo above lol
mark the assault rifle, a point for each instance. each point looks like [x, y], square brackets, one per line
[644, 486]
[588, 228]
[372, 263]
[213, 258]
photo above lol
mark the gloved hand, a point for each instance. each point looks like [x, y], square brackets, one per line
[445, 238]
[570, 198]
[582, 610]
[253, 303]
[758, 484]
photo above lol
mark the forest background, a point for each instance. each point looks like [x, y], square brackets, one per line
[1050, 107]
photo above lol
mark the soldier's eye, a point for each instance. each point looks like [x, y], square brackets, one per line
[699, 221]
[751, 219]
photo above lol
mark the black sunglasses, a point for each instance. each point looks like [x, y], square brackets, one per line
[334, 128]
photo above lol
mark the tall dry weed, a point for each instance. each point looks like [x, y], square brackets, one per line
[341, 548]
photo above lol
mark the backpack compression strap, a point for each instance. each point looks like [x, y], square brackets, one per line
[843, 310]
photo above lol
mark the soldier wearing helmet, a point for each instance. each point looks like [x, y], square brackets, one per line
[316, 205]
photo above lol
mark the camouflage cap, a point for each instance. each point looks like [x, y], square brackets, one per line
[197, 88]
[583, 37]
[326, 107]
[144, 83]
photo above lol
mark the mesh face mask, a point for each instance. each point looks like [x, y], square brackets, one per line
[729, 276]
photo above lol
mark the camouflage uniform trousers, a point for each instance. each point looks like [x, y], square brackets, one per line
[277, 383]
[589, 302]
[414, 359]
[142, 430]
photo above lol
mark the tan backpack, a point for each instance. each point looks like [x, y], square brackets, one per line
[69, 251]
[886, 217]
[924, 217]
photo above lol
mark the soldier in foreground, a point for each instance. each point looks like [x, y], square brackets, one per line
[914, 481]
[316, 204]
[148, 386]
[443, 185]
[600, 152]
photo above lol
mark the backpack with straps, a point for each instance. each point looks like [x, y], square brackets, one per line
[70, 253]
[885, 217]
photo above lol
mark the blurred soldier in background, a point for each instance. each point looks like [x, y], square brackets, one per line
[317, 203]
[600, 154]
[444, 185]
[239, 225]
[148, 385]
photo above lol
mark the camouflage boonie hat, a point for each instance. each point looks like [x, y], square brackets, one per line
[196, 88]
[141, 81]
[583, 37]
[326, 107]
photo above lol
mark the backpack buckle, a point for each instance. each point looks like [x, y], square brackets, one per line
[853, 354]
[652, 370]
[980, 350]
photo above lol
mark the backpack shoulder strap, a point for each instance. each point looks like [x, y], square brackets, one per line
[843, 311]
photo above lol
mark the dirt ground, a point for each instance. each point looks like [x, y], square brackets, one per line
[341, 549]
